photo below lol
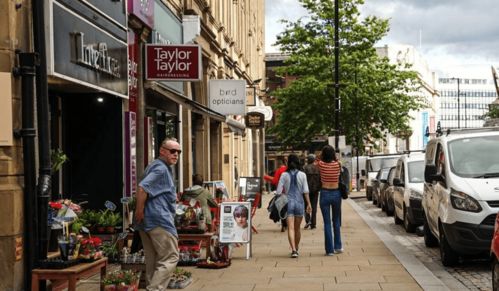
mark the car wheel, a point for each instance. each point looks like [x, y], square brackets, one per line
[495, 274]
[396, 218]
[389, 207]
[448, 256]
[429, 239]
[409, 227]
[369, 194]
[375, 200]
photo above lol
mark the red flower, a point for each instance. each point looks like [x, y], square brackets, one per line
[55, 205]
[97, 241]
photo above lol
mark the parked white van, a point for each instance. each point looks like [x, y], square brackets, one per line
[461, 192]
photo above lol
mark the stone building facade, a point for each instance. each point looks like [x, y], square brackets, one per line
[231, 38]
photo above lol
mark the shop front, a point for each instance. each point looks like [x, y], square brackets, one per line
[174, 104]
[88, 88]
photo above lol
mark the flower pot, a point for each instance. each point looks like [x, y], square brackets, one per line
[110, 229]
[101, 229]
[53, 245]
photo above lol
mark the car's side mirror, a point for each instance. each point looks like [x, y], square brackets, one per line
[363, 172]
[397, 182]
[430, 174]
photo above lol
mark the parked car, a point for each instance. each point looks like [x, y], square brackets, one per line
[494, 255]
[373, 164]
[461, 191]
[408, 191]
[386, 193]
[376, 183]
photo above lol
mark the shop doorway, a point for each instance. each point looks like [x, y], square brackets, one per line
[91, 135]
[163, 124]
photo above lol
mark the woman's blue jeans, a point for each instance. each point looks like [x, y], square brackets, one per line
[330, 202]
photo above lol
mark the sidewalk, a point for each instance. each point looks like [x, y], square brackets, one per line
[366, 264]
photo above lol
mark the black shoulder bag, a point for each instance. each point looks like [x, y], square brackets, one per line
[344, 183]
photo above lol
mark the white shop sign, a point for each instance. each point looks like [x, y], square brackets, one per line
[228, 97]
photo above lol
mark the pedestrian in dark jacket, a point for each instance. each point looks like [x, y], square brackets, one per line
[314, 186]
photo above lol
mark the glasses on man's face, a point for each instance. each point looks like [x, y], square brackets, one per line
[173, 151]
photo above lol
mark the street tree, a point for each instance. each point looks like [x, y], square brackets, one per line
[376, 96]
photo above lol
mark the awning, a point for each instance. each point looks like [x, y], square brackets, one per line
[236, 126]
[184, 101]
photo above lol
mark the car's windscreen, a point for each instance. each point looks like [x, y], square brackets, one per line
[374, 165]
[416, 171]
[475, 157]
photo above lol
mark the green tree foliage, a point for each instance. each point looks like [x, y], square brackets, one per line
[492, 113]
[374, 94]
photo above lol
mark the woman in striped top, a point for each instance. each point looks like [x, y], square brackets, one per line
[330, 199]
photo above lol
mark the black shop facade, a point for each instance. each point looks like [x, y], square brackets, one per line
[88, 90]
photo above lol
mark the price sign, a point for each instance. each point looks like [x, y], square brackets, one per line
[110, 205]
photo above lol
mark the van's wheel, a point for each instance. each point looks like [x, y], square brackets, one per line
[429, 239]
[409, 227]
[448, 256]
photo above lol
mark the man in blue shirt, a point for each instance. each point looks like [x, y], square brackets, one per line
[155, 213]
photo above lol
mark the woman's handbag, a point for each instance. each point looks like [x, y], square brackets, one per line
[344, 183]
[281, 203]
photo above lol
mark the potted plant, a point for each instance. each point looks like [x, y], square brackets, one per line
[89, 248]
[102, 221]
[122, 280]
[110, 250]
[111, 221]
[58, 158]
[180, 279]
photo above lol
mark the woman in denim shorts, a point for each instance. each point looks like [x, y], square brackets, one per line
[293, 183]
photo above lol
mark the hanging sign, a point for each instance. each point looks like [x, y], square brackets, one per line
[255, 120]
[174, 62]
[228, 97]
[110, 205]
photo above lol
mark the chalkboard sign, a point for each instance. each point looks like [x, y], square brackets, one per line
[249, 187]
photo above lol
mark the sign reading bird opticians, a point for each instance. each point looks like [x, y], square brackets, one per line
[173, 62]
[228, 97]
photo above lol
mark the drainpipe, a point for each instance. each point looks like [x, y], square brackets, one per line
[26, 70]
[43, 118]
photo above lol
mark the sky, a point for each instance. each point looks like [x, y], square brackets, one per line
[451, 35]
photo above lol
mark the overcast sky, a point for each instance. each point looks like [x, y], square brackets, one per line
[450, 34]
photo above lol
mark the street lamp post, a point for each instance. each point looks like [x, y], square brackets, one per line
[336, 75]
[465, 114]
[357, 174]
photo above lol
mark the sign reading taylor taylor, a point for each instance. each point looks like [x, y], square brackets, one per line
[174, 62]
